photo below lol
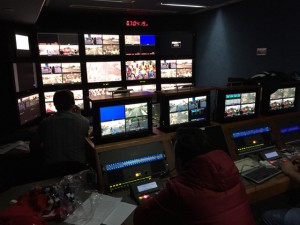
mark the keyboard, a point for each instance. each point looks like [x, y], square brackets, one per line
[260, 174]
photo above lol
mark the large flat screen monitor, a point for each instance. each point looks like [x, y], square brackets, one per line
[122, 119]
[52, 44]
[60, 73]
[101, 44]
[184, 108]
[140, 44]
[237, 103]
[103, 71]
[140, 70]
[177, 68]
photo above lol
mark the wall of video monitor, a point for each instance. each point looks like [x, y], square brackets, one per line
[98, 63]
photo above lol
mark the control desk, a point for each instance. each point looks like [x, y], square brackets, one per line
[124, 167]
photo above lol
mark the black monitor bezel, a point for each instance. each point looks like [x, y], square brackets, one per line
[221, 97]
[266, 98]
[98, 138]
[164, 100]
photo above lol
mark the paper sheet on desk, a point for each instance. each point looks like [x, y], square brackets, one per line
[101, 209]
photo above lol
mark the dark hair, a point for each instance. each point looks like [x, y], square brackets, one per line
[191, 142]
[63, 100]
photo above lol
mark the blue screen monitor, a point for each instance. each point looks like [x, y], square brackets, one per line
[140, 44]
[121, 119]
[111, 113]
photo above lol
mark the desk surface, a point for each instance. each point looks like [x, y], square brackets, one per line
[272, 187]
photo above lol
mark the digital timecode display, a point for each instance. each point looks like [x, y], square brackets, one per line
[136, 23]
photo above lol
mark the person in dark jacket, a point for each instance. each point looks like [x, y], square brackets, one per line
[207, 189]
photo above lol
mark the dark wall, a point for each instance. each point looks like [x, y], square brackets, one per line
[8, 116]
[227, 40]
[91, 21]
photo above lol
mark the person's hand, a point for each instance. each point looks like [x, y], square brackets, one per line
[288, 167]
[295, 158]
[76, 109]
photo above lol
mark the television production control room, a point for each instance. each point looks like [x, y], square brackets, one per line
[138, 78]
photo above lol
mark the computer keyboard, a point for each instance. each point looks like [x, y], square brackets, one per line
[260, 174]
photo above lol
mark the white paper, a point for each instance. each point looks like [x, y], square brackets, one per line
[120, 213]
[101, 209]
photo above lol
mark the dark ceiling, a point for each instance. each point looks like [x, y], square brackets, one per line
[28, 11]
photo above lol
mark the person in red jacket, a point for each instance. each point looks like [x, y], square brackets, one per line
[207, 189]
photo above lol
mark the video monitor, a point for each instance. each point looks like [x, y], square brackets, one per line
[235, 104]
[102, 91]
[22, 42]
[176, 44]
[141, 88]
[177, 68]
[173, 86]
[101, 44]
[49, 105]
[103, 71]
[29, 108]
[281, 100]
[51, 44]
[22, 45]
[122, 119]
[140, 70]
[140, 44]
[289, 128]
[184, 109]
[252, 139]
[25, 76]
[60, 73]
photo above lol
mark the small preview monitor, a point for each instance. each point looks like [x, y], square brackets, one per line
[109, 71]
[122, 119]
[281, 100]
[25, 76]
[184, 109]
[29, 108]
[235, 104]
[140, 44]
[177, 68]
[22, 42]
[141, 70]
[101, 44]
[60, 73]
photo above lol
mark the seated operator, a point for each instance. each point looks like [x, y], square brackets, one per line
[287, 216]
[207, 189]
[60, 138]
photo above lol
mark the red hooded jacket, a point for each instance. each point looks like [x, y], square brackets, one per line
[207, 191]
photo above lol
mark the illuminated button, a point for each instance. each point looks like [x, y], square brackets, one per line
[140, 197]
[138, 174]
[145, 196]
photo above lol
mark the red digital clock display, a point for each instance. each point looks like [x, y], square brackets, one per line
[136, 23]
